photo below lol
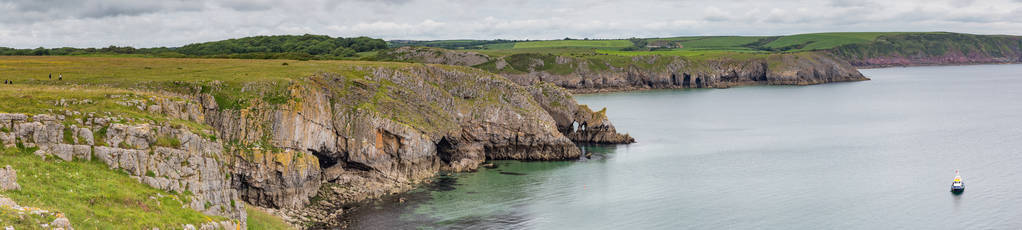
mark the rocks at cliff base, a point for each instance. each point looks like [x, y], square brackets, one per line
[577, 122]
[594, 127]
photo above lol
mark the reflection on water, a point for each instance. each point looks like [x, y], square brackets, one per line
[863, 155]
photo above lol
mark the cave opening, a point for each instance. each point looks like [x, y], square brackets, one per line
[687, 81]
[699, 82]
[325, 159]
[445, 150]
[763, 75]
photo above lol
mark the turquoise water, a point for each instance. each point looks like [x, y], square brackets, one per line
[862, 155]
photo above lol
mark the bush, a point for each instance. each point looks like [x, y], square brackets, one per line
[168, 141]
[68, 135]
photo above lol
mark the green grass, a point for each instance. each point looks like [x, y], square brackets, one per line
[679, 53]
[24, 220]
[259, 220]
[552, 50]
[574, 43]
[94, 197]
[234, 83]
[168, 141]
[727, 43]
[498, 46]
[819, 41]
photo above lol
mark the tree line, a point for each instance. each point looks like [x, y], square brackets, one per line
[301, 47]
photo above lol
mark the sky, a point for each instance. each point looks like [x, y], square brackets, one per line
[170, 23]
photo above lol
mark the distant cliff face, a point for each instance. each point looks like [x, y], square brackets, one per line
[660, 72]
[933, 49]
[598, 74]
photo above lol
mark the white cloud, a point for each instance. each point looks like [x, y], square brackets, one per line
[96, 23]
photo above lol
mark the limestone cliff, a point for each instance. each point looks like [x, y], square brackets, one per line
[600, 72]
[309, 146]
[937, 48]
[341, 138]
[168, 158]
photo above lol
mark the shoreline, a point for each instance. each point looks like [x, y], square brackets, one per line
[595, 91]
[927, 65]
[640, 89]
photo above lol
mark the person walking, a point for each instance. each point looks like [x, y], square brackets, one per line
[51, 76]
[60, 77]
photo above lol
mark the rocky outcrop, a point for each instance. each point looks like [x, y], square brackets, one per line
[8, 179]
[365, 131]
[168, 158]
[587, 75]
[436, 56]
[577, 122]
[341, 139]
[951, 58]
[939, 48]
[677, 72]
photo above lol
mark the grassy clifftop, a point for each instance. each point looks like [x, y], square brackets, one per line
[932, 49]
[860, 48]
[93, 196]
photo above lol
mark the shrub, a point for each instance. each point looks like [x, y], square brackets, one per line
[100, 136]
[168, 141]
[68, 135]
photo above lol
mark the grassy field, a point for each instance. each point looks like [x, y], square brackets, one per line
[727, 43]
[602, 44]
[259, 220]
[820, 41]
[267, 79]
[691, 45]
[79, 188]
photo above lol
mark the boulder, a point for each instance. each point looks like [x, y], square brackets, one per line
[8, 179]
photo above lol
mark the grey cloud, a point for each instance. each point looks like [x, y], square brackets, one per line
[247, 5]
[97, 8]
[92, 23]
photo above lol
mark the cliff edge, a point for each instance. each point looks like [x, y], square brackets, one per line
[598, 72]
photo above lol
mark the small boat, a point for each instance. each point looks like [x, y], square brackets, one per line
[957, 186]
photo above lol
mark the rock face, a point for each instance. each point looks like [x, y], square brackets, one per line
[584, 75]
[578, 122]
[674, 72]
[932, 49]
[346, 139]
[339, 138]
[172, 159]
[438, 56]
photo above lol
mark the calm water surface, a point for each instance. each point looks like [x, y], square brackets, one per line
[862, 155]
